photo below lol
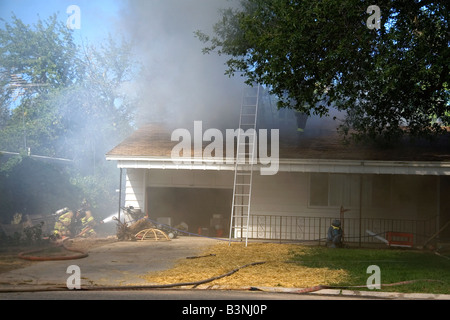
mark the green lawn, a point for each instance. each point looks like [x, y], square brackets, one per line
[395, 265]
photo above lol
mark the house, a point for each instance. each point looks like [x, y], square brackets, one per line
[402, 189]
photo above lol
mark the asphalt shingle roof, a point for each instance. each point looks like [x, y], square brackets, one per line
[154, 140]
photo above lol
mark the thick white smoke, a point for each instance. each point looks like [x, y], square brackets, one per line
[180, 84]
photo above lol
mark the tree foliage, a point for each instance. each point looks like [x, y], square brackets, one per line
[43, 55]
[315, 54]
[65, 100]
[56, 93]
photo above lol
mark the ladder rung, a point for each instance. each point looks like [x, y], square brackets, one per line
[242, 194]
[242, 184]
[241, 205]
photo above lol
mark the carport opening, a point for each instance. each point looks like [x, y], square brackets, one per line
[204, 211]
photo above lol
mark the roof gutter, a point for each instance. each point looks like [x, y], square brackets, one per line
[290, 165]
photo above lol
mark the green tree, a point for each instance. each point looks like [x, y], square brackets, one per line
[65, 100]
[56, 94]
[36, 61]
[99, 110]
[312, 55]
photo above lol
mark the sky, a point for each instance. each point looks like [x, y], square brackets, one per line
[98, 17]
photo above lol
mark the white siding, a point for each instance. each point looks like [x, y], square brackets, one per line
[383, 196]
[135, 188]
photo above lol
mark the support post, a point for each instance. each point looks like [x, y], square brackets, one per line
[120, 193]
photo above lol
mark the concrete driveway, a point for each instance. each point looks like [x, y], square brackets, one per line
[118, 263]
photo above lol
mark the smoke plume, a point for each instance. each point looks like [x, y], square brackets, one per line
[179, 83]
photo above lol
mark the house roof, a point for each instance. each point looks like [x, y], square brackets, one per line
[151, 140]
[154, 141]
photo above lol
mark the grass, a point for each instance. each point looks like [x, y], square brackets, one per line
[395, 266]
[298, 266]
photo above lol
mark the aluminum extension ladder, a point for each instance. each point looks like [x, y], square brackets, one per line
[243, 170]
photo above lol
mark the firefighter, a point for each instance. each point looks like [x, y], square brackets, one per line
[63, 225]
[87, 224]
[77, 225]
[334, 236]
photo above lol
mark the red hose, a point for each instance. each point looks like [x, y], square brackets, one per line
[25, 255]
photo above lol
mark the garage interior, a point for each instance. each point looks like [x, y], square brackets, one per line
[204, 210]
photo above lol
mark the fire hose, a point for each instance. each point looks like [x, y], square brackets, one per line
[321, 287]
[26, 254]
[195, 284]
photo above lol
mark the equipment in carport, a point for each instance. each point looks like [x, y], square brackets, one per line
[132, 213]
[140, 227]
[151, 234]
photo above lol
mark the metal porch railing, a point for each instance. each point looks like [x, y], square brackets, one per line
[297, 228]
